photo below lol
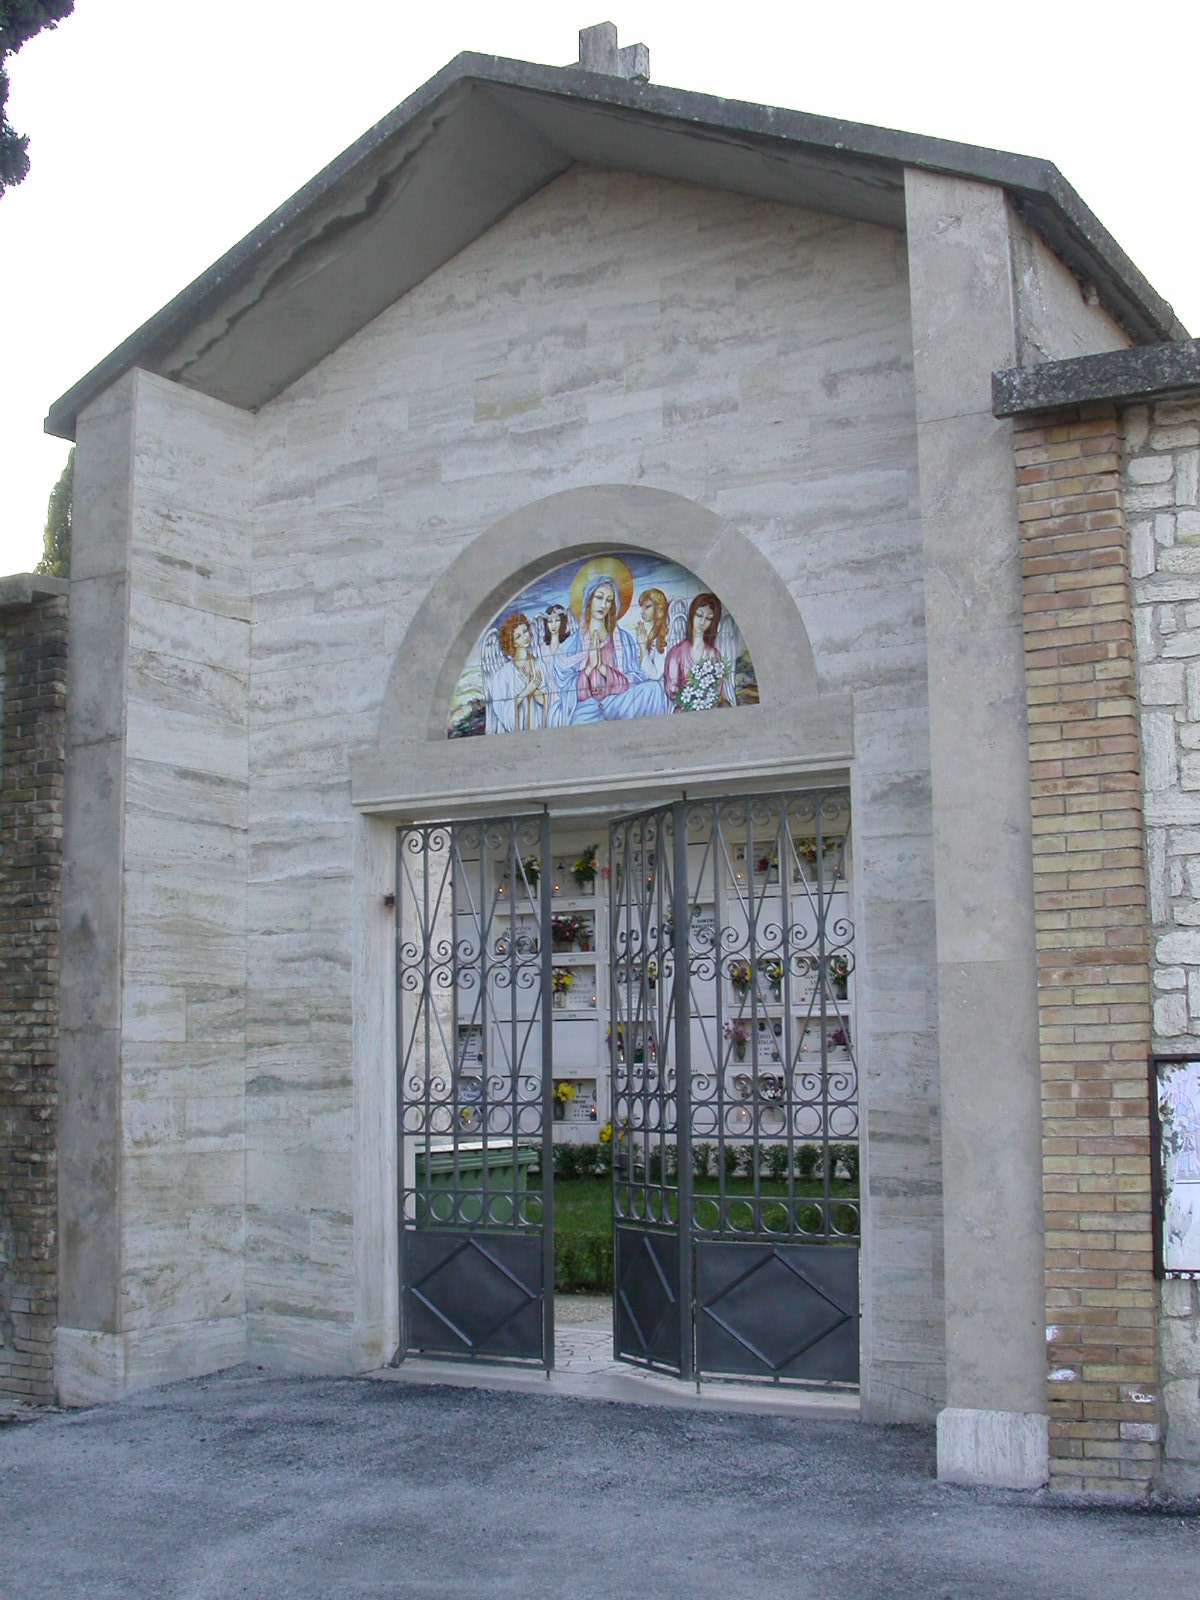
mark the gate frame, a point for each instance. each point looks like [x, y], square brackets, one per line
[797, 1260]
[464, 1230]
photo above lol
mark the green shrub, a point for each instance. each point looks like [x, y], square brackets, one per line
[702, 1159]
[777, 1161]
[732, 1160]
[586, 1160]
[808, 1161]
[850, 1161]
[566, 1160]
[583, 1263]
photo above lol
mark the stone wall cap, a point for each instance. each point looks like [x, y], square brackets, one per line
[487, 133]
[1145, 372]
[23, 588]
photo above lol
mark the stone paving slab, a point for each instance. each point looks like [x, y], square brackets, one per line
[243, 1485]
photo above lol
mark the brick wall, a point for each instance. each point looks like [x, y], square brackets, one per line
[1093, 976]
[33, 684]
[1162, 499]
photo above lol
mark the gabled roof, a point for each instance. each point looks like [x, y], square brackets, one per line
[486, 134]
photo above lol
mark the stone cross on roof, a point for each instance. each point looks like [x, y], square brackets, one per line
[598, 52]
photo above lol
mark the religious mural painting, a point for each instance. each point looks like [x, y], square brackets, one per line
[603, 640]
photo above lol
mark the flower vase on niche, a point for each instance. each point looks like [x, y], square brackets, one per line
[738, 1035]
[564, 1093]
[584, 870]
[739, 977]
[561, 980]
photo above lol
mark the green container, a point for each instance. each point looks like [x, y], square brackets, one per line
[442, 1202]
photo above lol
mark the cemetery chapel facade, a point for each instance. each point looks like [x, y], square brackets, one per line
[593, 500]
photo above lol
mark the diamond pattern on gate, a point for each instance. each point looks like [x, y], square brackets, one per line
[478, 1294]
[645, 1293]
[795, 1301]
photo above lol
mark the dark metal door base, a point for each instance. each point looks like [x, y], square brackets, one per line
[777, 1310]
[474, 1294]
[646, 1293]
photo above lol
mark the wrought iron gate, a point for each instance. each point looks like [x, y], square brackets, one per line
[473, 1050]
[735, 1091]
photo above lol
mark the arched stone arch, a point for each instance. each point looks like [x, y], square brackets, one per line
[415, 770]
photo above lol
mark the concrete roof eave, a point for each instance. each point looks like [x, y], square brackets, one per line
[486, 133]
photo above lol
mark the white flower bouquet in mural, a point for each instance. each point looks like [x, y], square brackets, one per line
[704, 685]
[571, 649]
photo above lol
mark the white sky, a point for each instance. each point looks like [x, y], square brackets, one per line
[162, 131]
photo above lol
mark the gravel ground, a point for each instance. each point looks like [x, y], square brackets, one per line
[246, 1485]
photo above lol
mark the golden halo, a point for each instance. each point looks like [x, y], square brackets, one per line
[611, 567]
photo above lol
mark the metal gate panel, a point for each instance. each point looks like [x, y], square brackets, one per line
[474, 1294]
[769, 1310]
[474, 1048]
[648, 1056]
[735, 1087]
[648, 1316]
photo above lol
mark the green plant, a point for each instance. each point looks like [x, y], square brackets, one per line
[808, 1160]
[587, 1160]
[566, 1160]
[702, 1159]
[777, 1161]
[531, 866]
[732, 1160]
[850, 1161]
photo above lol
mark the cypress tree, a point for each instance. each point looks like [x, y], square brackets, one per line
[56, 542]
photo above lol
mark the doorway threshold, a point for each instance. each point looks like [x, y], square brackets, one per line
[584, 1369]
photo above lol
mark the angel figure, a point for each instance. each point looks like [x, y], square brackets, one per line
[515, 682]
[651, 632]
[699, 672]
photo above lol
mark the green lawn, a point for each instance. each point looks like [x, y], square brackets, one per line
[583, 1223]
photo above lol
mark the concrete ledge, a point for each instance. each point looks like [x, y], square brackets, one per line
[1004, 1449]
[1146, 372]
[23, 588]
[93, 1368]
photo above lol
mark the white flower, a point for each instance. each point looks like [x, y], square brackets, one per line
[702, 691]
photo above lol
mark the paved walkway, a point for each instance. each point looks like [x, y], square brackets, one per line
[245, 1485]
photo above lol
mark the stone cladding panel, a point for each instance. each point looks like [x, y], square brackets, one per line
[1162, 497]
[1093, 976]
[33, 652]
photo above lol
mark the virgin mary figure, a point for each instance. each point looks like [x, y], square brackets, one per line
[598, 671]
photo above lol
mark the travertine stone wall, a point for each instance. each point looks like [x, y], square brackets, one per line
[33, 686]
[1093, 979]
[1161, 478]
[964, 316]
[152, 1148]
[753, 358]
